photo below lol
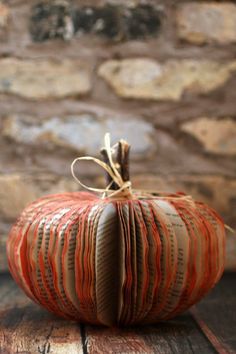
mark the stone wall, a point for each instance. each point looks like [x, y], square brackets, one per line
[161, 74]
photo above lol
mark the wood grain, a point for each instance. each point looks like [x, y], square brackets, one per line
[216, 315]
[208, 328]
[178, 336]
[26, 328]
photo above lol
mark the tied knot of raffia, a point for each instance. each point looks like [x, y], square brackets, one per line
[124, 190]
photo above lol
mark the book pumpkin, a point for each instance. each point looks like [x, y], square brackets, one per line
[127, 257]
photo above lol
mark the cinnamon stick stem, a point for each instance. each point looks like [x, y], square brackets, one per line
[121, 159]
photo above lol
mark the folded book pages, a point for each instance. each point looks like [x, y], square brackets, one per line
[128, 257]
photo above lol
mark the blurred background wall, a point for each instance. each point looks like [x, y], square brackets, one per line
[161, 74]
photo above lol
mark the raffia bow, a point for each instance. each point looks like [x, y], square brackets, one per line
[125, 187]
[112, 169]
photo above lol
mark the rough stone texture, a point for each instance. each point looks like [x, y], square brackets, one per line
[44, 78]
[3, 255]
[143, 78]
[200, 22]
[206, 188]
[217, 136]
[4, 15]
[230, 251]
[16, 191]
[61, 19]
[4, 22]
[51, 20]
[83, 132]
[152, 149]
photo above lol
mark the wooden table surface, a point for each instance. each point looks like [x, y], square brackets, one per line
[209, 327]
